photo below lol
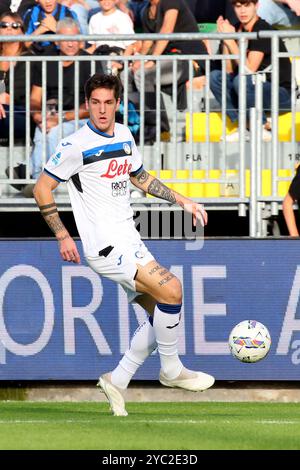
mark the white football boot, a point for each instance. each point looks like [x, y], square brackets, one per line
[113, 394]
[188, 380]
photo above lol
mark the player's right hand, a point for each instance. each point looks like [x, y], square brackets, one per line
[68, 250]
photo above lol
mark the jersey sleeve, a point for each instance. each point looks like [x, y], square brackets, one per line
[294, 189]
[65, 162]
[136, 160]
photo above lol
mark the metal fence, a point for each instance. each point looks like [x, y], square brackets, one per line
[197, 161]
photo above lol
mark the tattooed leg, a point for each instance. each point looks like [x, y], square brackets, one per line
[159, 282]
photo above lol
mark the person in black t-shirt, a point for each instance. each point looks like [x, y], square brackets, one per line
[258, 59]
[67, 26]
[208, 11]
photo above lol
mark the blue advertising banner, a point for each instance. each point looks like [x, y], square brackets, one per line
[63, 322]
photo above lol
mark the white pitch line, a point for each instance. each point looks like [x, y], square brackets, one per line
[205, 421]
[142, 421]
[44, 421]
[263, 421]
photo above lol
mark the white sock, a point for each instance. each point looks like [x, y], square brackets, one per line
[142, 345]
[165, 324]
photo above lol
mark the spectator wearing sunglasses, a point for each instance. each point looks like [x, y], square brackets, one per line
[68, 27]
[12, 24]
[43, 18]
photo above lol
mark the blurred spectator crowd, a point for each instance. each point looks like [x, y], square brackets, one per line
[113, 17]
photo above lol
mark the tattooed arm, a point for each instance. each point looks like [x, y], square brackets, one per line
[156, 188]
[153, 186]
[44, 199]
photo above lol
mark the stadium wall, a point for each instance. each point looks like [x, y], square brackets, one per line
[63, 322]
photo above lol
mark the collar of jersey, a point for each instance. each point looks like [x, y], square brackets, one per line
[93, 128]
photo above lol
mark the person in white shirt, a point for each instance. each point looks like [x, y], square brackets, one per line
[110, 20]
[98, 162]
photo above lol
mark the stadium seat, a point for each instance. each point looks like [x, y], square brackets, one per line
[231, 187]
[207, 27]
[283, 186]
[213, 189]
[182, 188]
[218, 190]
[215, 127]
[266, 187]
[197, 189]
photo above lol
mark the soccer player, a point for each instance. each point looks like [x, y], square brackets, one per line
[98, 162]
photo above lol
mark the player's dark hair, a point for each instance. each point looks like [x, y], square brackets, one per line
[110, 82]
[243, 2]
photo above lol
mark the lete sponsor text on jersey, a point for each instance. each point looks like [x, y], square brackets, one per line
[117, 169]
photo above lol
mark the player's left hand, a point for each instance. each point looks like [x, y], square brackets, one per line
[198, 212]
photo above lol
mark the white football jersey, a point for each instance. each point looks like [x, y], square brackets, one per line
[97, 168]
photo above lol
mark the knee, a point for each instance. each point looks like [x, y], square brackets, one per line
[173, 294]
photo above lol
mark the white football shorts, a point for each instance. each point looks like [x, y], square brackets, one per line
[120, 264]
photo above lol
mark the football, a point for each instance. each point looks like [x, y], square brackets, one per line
[249, 341]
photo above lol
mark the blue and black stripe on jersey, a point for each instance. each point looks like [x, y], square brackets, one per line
[106, 152]
[54, 176]
[138, 171]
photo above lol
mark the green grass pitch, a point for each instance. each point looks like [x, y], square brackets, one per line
[180, 426]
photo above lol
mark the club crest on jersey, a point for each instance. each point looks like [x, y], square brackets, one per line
[127, 149]
[117, 169]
